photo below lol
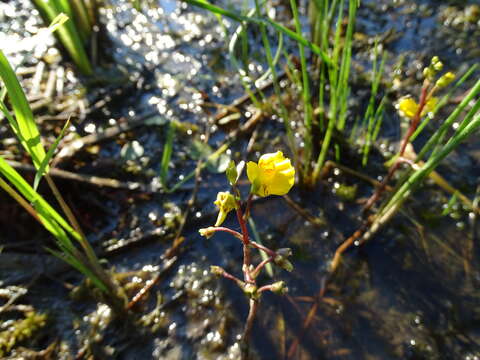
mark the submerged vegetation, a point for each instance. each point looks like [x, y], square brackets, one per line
[377, 104]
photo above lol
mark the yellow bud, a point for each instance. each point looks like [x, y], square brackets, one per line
[428, 73]
[445, 79]
[273, 175]
[438, 65]
[279, 287]
[225, 203]
[207, 232]
[435, 66]
[216, 270]
[435, 60]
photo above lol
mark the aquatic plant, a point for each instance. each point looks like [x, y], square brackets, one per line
[327, 113]
[272, 175]
[66, 232]
[437, 147]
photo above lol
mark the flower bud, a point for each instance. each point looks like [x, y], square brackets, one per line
[207, 232]
[445, 79]
[282, 262]
[231, 173]
[216, 270]
[436, 64]
[279, 287]
[285, 252]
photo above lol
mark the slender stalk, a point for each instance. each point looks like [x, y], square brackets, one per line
[71, 218]
[263, 248]
[246, 248]
[116, 296]
[251, 317]
[261, 266]
[18, 198]
[230, 231]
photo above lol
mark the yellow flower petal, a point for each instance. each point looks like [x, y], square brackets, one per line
[252, 171]
[430, 105]
[407, 107]
[273, 175]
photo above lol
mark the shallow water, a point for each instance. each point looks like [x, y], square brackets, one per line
[410, 293]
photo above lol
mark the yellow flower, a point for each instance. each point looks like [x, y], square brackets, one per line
[225, 203]
[273, 175]
[408, 107]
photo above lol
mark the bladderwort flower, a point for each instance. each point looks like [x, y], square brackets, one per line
[409, 107]
[225, 203]
[273, 175]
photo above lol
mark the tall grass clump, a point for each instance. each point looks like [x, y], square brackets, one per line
[76, 34]
[72, 245]
[332, 111]
[325, 61]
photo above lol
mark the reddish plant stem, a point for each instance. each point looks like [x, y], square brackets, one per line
[247, 208]
[229, 276]
[230, 231]
[251, 316]
[261, 266]
[413, 126]
[246, 242]
[265, 288]
[263, 248]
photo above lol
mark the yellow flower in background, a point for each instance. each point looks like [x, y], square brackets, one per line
[273, 175]
[409, 107]
[225, 203]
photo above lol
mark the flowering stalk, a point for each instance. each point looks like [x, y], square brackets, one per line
[409, 108]
[273, 175]
[406, 140]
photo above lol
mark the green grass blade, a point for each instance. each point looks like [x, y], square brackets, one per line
[44, 165]
[31, 195]
[75, 263]
[24, 123]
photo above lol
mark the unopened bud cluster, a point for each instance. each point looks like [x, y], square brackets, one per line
[408, 107]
